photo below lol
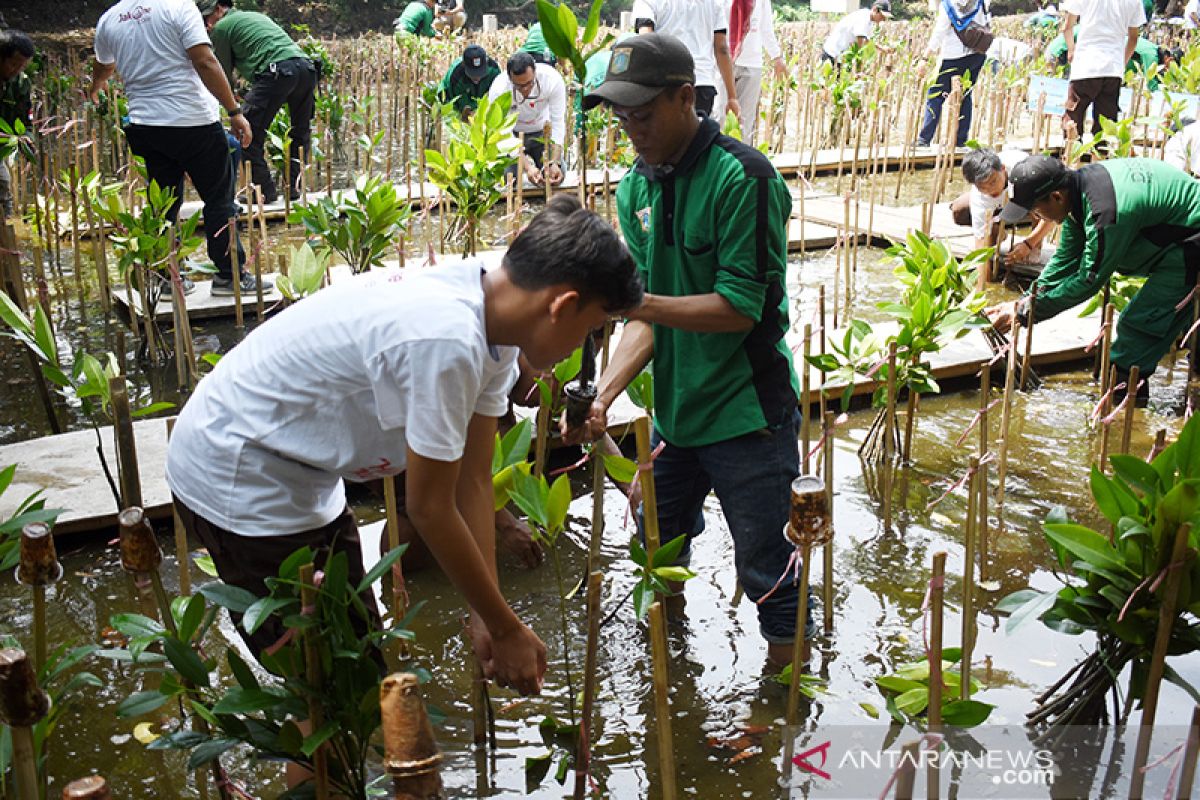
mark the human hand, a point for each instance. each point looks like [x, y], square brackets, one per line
[515, 537]
[239, 126]
[594, 425]
[780, 67]
[515, 657]
[553, 173]
[1001, 316]
[1021, 253]
[732, 105]
[532, 173]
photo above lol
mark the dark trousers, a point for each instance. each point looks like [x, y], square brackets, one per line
[293, 82]
[947, 71]
[705, 97]
[1102, 94]
[202, 154]
[535, 151]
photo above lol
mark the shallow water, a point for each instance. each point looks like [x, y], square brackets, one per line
[717, 664]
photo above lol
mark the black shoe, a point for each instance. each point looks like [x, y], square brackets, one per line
[223, 287]
[168, 291]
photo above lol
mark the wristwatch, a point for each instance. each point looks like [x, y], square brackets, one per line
[233, 112]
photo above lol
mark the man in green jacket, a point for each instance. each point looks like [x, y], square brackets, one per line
[16, 49]
[468, 79]
[705, 217]
[1135, 216]
[278, 72]
[416, 19]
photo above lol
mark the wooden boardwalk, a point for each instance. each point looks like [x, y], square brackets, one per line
[68, 471]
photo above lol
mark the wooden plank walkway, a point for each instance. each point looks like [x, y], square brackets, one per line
[67, 469]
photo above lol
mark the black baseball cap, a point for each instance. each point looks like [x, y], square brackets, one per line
[206, 7]
[475, 62]
[640, 68]
[884, 7]
[1031, 180]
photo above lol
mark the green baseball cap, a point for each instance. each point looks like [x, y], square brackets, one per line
[640, 68]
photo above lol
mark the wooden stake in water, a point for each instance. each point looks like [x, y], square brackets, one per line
[937, 583]
[1025, 362]
[1181, 558]
[411, 755]
[1006, 412]
[827, 553]
[809, 525]
[37, 569]
[1130, 408]
[182, 552]
[128, 475]
[968, 596]
[583, 755]
[22, 705]
[985, 396]
[1187, 769]
[312, 670]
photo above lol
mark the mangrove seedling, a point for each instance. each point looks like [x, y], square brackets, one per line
[1113, 581]
[471, 170]
[656, 573]
[907, 693]
[31, 509]
[360, 225]
[305, 274]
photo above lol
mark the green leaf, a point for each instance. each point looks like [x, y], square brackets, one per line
[234, 598]
[315, 740]
[668, 553]
[209, 751]
[1086, 544]
[965, 713]
[536, 767]
[1136, 472]
[643, 598]
[678, 574]
[260, 610]
[620, 469]
[44, 336]
[914, 701]
[153, 408]
[1026, 605]
[185, 660]
[136, 625]
[592, 27]
[637, 553]
[241, 670]
[1113, 500]
[896, 684]
[558, 501]
[140, 703]
[193, 613]
[384, 564]
[239, 700]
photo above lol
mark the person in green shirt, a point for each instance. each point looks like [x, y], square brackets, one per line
[1135, 216]
[535, 45]
[16, 50]
[416, 19]
[1145, 55]
[705, 217]
[467, 80]
[278, 72]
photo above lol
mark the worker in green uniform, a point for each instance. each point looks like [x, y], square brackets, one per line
[705, 217]
[467, 80]
[1135, 216]
[16, 49]
[278, 72]
[417, 19]
[535, 45]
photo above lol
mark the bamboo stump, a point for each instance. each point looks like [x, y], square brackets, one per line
[411, 755]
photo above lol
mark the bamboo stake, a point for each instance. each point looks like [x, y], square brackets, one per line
[1028, 343]
[968, 597]
[583, 755]
[411, 755]
[312, 670]
[827, 588]
[985, 391]
[399, 600]
[937, 593]
[1006, 412]
[1181, 557]
[128, 475]
[806, 403]
[1106, 348]
[38, 568]
[1130, 408]
[1106, 427]
[793, 702]
[22, 705]
[1187, 772]
[907, 771]
[181, 543]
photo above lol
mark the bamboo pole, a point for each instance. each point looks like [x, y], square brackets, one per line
[1025, 362]
[128, 475]
[411, 755]
[236, 267]
[1130, 408]
[399, 604]
[583, 755]
[985, 392]
[1106, 405]
[937, 593]
[793, 702]
[968, 592]
[1181, 557]
[1187, 770]
[22, 705]
[181, 542]
[1006, 413]
[312, 670]
[906, 774]
[38, 568]
[827, 553]
[806, 403]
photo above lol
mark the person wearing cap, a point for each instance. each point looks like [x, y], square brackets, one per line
[854, 29]
[1135, 216]
[468, 79]
[539, 96]
[987, 173]
[702, 26]
[416, 20]
[705, 217]
[957, 59]
[16, 50]
[535, 45]
[278, 72]
[751, 33]
[175, 88]
[1107, 40]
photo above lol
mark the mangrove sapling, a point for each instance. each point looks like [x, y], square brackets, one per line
[907, 692]
[1113, 584]
[360, 226]
[305, 275]
[471, 169]
[262, 715]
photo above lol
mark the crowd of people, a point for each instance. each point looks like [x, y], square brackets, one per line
[386, 375]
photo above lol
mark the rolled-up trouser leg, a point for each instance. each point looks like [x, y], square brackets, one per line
[1149, 325]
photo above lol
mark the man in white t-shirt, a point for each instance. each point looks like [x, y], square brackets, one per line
[702, 26]
[854, 29]
[1183, 149]
[539, 96]
[389, 372]
[1107, 38]
[750, 34]
[987, 173]
[174, 84]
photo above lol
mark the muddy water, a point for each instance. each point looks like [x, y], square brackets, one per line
[717, 667]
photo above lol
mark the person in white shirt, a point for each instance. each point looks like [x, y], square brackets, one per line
[987, 173]
[854, 29]
[751, 32]
[1107, 38]
[955, 18]
[702, 26]
[1183, 149]
[387, 372]
[539, 96]
[175, 87]
[1191, 15]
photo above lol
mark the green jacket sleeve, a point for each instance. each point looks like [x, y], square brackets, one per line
[427, 24]
[751, 241]
[1086, 258]
[223, 50]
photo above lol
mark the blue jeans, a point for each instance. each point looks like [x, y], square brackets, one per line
[752, 476]
[967, 65]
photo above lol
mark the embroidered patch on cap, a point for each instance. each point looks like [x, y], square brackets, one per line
[620, 61]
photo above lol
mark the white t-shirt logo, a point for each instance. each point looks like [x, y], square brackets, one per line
[136, 15]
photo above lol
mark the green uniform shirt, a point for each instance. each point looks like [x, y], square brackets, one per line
[716, 223]
[250, 43]
[417, 19]
[15, 100]
[460, 89]
[535, 42]
[1129, 216]
[1145, 54]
